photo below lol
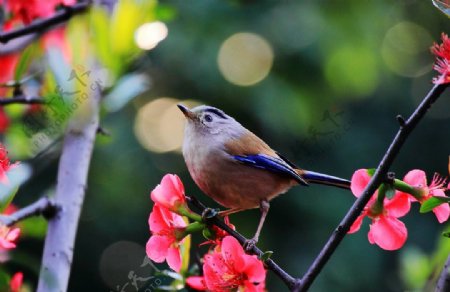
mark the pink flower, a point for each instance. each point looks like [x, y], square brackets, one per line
[442, 64]
[386, 230]
[8, 237]
[56, 38]
[167, 230]
[5, 164]
[28, 10]
[8, 64]
[418, 179]
[4, 121]
[229, 268]
[170, 193]
[16, 282]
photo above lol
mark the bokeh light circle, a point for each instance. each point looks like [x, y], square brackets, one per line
[121, 260]
[405, 49]
[150, 34]
[245, 59]
[159, 124]
[352, 71]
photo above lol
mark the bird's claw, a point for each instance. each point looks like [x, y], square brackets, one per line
[209, 213]
[249, 244]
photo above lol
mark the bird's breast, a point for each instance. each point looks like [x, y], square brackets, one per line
[230, 183]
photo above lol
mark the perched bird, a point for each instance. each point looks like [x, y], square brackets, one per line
[235, 167]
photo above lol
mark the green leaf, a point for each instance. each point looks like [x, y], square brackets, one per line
[102, 38]
[185, 248]
[170, 274]
[34, 227]
[371, 171]
[432, 203]
[24, 62]
[443, 6]
[165, 12]
[390, 191]
[446, 234]
[266, 255]
[17, 175]
[127, 88]
[7, 198]
[4, 281]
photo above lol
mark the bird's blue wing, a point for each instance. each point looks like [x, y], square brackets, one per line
[270, 163]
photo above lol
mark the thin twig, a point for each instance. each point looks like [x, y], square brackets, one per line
[443, 283]
[44, 206]
[21, 100]
[283, 275]
[380, 174]
[40, 25]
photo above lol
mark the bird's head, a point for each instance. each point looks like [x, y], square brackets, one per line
[209, 120]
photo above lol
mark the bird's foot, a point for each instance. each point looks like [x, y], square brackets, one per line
[209, 213]
[249, 244]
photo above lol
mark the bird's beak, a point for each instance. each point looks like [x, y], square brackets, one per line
[186, 111]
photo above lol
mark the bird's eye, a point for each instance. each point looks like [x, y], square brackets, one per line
[208, 118]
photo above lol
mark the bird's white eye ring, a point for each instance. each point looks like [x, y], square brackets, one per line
[208, 118]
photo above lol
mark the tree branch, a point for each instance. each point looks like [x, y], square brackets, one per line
[283, 275]
[21, 100]
[443, 283]
[70, 191]
[406, 127]
[41, 25]
[44, 206]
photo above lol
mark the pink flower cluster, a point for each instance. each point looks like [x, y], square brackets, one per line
[23, 12]
[8, 236]
[229, 268]
[442, 64]
[386, 230]
[226, 267]
[167, 227]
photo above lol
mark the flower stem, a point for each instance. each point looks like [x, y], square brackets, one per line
[185, 211]
[404, 187]
[194, 227]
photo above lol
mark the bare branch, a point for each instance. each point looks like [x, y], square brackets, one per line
[380, 174]
[41, 25]
[70, 191]
[21, 100]
[443, 283]
[44, 206]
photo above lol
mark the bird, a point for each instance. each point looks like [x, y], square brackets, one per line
[236, 168]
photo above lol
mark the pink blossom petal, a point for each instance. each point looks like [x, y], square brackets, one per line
[416, 178]
[388, 232]
[16, 282]
[157, 248]
[196, 282]
[442, 212]
[357, 224]
[254, 269]
[157, 221]
[6, 244]
[3, 178]
[399, 205]
[169, 193]
[360, 179]
[211, 269]
[233, 253]
[174, 259]
[13, 234]
[249, 287]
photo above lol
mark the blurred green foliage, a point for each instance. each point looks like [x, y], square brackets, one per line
[359, 62]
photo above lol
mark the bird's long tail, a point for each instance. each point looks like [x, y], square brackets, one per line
[324, 179]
